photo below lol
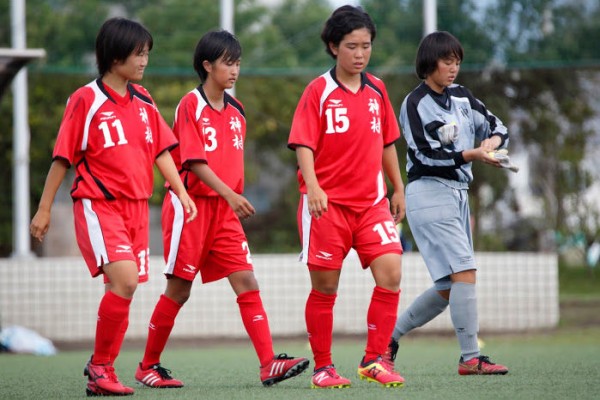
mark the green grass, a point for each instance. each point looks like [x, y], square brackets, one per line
[558, 365]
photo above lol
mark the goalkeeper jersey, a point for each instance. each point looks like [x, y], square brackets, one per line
[424, 112]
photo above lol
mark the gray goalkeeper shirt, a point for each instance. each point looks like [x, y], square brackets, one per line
[424, 112]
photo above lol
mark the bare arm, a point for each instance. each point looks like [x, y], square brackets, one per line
[41, 220]
[240, 205]
[317, 198]
[167, 168]
[391, 167]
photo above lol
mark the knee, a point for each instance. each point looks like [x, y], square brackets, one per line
[243, 282]
[125, 289]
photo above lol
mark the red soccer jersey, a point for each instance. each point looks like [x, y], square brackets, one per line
[212, 137]
[112, 141]
[347, 133]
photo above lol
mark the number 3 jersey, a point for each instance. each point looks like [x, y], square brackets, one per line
[210, 136]
[112, 141]
[347, 133]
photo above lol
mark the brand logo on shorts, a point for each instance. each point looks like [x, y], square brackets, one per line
[189, 268]
[323, 255]
[123, 248]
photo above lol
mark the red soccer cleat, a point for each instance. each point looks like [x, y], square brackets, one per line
[376, 371]
[156, 377]
[102, 381]
[389, 358]
[281, 368]
[328, 378]
[480, 366]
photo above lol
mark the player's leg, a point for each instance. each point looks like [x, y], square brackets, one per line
[319, 325]
[324, 246]
[107, 248]
[185, 245]
[463, 311]
[150, 372]
[377, 244]
[423, 309]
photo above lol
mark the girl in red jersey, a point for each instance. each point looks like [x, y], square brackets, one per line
[113, 134]
[343, 132]
[210, 125]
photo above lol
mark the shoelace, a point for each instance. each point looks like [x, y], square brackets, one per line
[163, 372]
[283, 356]
[485, 359]
[330, 370]
[110, 374]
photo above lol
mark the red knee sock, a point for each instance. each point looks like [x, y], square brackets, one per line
[256, 323]
[112, 312]
[319, 324]
[116, 348]
[381, 318]
[159, 329]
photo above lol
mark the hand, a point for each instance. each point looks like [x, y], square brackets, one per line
[241, 206]
[189, 206]
[317, 201]
[398, 206]
[490, 144]
[40, 224]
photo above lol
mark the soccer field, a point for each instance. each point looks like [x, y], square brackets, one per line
[558, 365]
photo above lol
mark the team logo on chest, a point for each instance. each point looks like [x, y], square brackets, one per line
[144, 117]
[375, 118]
[236, 128]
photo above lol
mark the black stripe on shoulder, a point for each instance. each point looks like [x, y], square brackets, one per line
[136, 93]
[100, 85]
[229, 99]
[369, 82]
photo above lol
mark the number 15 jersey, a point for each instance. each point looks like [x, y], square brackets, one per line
[347, 133]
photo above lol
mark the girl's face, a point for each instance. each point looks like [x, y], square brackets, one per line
[353, 52]
[223, 73]
[132, 69]
[444, 75]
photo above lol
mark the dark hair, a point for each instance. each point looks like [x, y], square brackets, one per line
[117, 39]
[434, 47]
[213, 45]
[343, 21]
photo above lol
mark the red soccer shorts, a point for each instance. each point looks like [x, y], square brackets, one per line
[213, 244]
[112, 230]
[326, 241]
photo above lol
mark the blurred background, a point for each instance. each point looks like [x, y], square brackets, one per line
[534, 63]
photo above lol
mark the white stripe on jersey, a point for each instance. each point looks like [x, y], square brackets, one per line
[306, 222]
[95, 233]
[99, 99]
[380, 188]
[175, 232]
[330, 86]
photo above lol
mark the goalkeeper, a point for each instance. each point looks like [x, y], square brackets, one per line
[441, 122]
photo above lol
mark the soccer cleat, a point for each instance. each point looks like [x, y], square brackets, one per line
[376, 371]
[389, 358]
[328, 378]
[102, 381]
[480, 366]
[281, 368]
[157, 377]
[92, 390]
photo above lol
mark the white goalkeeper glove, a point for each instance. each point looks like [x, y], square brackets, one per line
[448, 134]
[502, 156]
